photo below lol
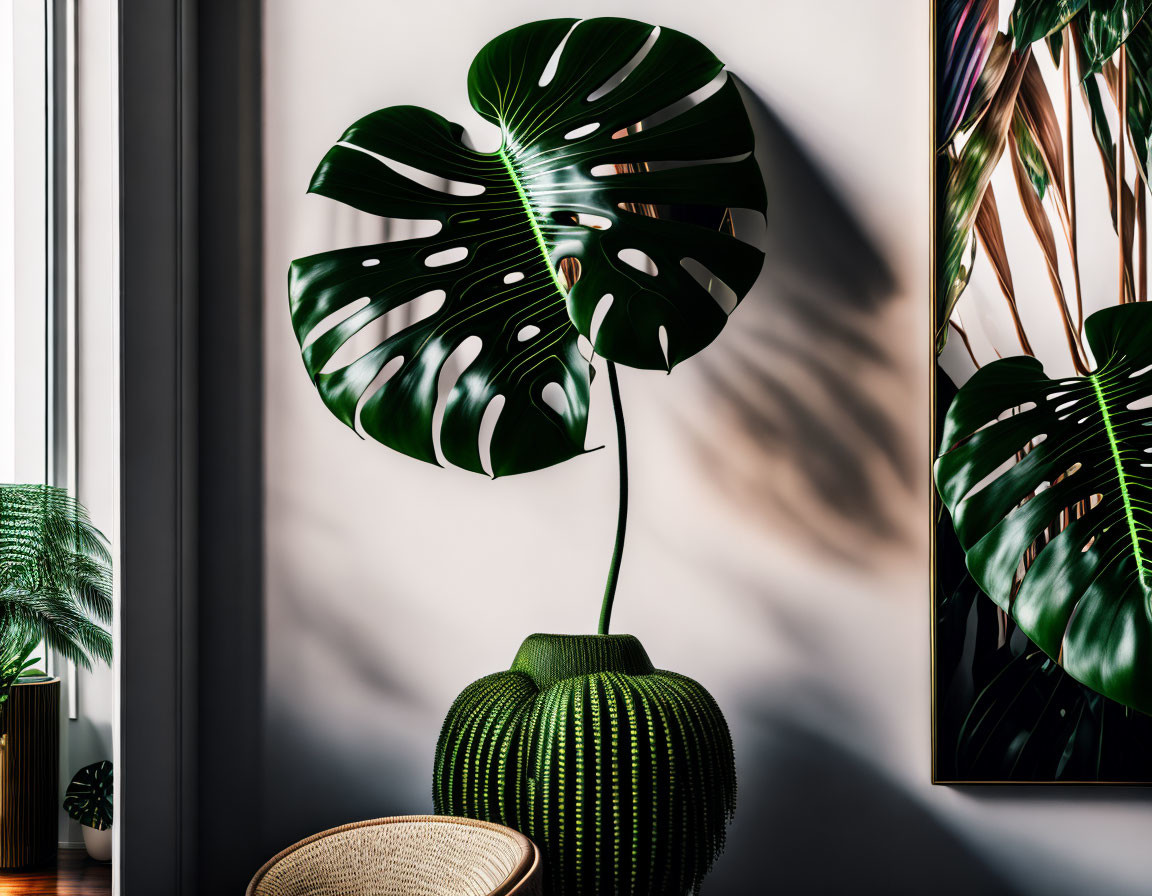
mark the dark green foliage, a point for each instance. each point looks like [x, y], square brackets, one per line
[1033, 20]
[527, 221]
[1140, 94]
[88, 799]
[1105, 25]
[55, 578]
[1004, 710]
[1085, 597]
[621, 773]
[1007, 712]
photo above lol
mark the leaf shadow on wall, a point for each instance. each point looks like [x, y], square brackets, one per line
[803, 433]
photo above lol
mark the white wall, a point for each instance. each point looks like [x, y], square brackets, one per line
[778, 546]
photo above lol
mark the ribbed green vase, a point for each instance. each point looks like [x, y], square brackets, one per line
[623, 774]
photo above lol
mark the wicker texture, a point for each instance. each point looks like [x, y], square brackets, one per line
[405, 856]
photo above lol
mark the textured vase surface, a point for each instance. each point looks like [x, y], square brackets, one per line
[623, 774]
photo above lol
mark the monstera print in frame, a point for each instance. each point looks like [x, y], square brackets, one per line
[1042, 334]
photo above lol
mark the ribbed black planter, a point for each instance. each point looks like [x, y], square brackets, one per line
[621, 773]
[29, 769]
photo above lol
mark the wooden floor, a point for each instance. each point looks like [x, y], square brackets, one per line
[74, 874]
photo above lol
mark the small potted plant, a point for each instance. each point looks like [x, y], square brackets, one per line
[89, 801]
[55, 592]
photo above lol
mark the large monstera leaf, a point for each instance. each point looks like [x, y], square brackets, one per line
[590, 167]
[1073, 508]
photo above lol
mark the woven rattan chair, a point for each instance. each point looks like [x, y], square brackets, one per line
[415, 855]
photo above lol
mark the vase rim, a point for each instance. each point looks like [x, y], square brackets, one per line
[548, 659]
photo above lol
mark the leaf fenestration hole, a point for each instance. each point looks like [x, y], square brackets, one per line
[582, 131]
[455, 366]
[447, 256]
[598, 317]
[527, 333]
[487, 430]
[596, 222]
[584, 347]
[724, 295]
[553, 396]
[336, 317]
[630, 66]
[370, 262]
[1140, 372]
[695, 98]
[1141, 404]
[386, 373]
[639, 260]
[420, 176]
[662, 336]
[569, 269]
[514, 277]
[380, 328]
[553, 63]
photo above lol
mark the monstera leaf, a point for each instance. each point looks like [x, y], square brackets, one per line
[1073, 507]
[88, 799]
[603, 186]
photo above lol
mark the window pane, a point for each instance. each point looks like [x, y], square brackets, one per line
[23, 380]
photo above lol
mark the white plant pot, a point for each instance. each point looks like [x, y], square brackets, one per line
[98, 843]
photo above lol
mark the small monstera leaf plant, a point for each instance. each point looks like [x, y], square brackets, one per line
[601, 225]
[88, 799]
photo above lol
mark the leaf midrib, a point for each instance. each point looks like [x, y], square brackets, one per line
[530, 213]
[1106, 416]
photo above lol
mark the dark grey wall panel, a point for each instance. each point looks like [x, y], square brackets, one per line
[191, 524]
[156, 778]
[230, 451]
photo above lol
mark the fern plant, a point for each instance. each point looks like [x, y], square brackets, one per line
[602, 225]
[55, 581]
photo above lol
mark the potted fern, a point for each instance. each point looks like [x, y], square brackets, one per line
[56, 592]
[601, 226]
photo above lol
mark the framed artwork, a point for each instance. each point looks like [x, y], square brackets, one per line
[1042, 364]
